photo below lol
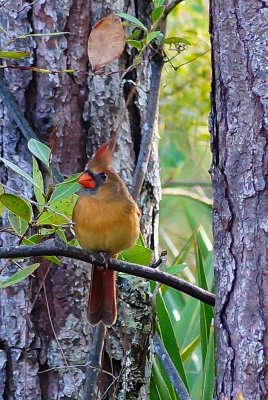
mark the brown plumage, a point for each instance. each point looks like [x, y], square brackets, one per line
[106, 218]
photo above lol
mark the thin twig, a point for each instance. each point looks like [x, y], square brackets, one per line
[193, 59]
[74, 366]
[170, 369]
[52, 325]
[109, 352]
[93, 368]
[44, 277]
[58, 248]
[115, 379]
[161, 260]
[170, 7]
[171, 184]
[186, 193]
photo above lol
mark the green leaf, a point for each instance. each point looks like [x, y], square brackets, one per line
[137, 254]
[14, 55]
[184, 251]
[151, 36]
[38, 179]
[175, 269]
[159, 39]
[188, 327]
[52, 218]
[19, 276]
[18, 224]
[176, 40]
[135, 43]
[204, 137]
[204, 242]
[17, 205]
[209, 369]
[169, 338]
[154, 393]
[174, 302]
[157, 12]
[141, 241]
[158, 3]
[18, 170]
[188, 350]
[63, 190]
[73, 178]
[133, 20]
[61, 233]
[60, 212]
[53, 259]
[135, 34]
[34, 239]
[161, 384]
[74, 242]
[40, 151]
[206, 313]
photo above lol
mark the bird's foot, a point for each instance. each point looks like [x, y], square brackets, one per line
[105, 265]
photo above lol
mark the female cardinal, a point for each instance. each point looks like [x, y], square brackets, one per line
[106, 218]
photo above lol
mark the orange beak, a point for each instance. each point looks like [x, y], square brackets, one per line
[87, 181]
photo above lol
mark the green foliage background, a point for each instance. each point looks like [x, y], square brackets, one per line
[184, 136]
[185, 216]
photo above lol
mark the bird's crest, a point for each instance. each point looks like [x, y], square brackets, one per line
[102, 159]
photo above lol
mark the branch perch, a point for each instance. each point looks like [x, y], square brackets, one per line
[56, 247]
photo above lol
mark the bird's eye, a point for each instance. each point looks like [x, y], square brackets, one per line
[103, 176]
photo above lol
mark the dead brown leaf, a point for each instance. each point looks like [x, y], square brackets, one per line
[106, 42]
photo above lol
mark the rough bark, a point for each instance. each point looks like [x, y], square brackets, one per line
[86, 110]
[239, 123]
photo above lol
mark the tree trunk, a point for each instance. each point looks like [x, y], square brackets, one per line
[44, 333]
[240, 161]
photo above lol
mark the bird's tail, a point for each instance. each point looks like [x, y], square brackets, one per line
[102, 297]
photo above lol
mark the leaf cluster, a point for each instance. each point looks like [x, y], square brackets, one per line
[108, 34]
[49, 213]
[185, 327]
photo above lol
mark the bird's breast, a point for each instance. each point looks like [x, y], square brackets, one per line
[101, 226]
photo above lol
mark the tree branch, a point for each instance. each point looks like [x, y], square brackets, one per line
[171, 370]
[147, 132]
[170, 7]
[94, 363]
[58, 248]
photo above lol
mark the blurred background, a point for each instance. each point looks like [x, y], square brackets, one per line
[183, 128]
[185, 324]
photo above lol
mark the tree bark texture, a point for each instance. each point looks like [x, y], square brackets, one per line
[44, 333]
[239, 124]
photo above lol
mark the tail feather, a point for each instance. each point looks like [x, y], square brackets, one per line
[102, 298]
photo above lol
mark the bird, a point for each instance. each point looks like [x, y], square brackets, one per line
[106, 219]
